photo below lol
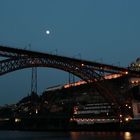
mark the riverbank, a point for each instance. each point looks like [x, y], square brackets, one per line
[33, 124]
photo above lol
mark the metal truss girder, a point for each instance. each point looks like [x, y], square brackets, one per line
[10, 65]
[84, 73]
[15, 52]
[86, 70]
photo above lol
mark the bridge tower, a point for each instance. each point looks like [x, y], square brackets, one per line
[34, 95]
[34, 81]
[71, 78]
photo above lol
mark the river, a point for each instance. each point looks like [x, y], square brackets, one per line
[29, 135]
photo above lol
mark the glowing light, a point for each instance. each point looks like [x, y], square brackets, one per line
[120, 115]
[17, 120]
[127, 136]
[36, 111]
[126, 119]
[132, 82]
[126, 72]
[71, 119]
[47, 32]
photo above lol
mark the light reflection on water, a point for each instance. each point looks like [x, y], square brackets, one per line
[127, 136]
[105, 135]
[28, 135]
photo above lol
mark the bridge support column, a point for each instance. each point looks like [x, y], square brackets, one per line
[136, 109]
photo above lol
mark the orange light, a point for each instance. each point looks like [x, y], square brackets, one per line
[132, 82]
[126, 119]
[127, 136]
[126, 72]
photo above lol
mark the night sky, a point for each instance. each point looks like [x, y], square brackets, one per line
[106, 31]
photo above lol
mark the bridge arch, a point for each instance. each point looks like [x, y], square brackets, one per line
[10, 65]
[77, 69]
[20, 59]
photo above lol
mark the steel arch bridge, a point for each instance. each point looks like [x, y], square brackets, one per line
[16, 59]
[77, 69]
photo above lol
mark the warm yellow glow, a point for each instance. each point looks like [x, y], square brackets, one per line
[126, 119]
[112, 76]
[132, 82]
[127, 136]
[75, 135]
[126, 72]
[82, 64]
[75, 84]
[91, 120]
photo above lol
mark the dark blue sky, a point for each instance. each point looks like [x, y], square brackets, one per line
[100, 30]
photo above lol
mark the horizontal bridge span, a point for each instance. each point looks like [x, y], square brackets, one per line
[15, 52]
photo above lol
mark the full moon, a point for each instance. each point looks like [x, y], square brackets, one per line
[47, 32]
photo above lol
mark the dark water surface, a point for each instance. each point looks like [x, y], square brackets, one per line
[28, 135]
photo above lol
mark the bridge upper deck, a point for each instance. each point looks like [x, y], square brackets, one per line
[16, 52]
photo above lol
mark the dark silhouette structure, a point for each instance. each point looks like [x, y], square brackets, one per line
[91, 72]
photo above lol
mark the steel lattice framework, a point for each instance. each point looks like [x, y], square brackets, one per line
[13, 64]
[17, 59]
